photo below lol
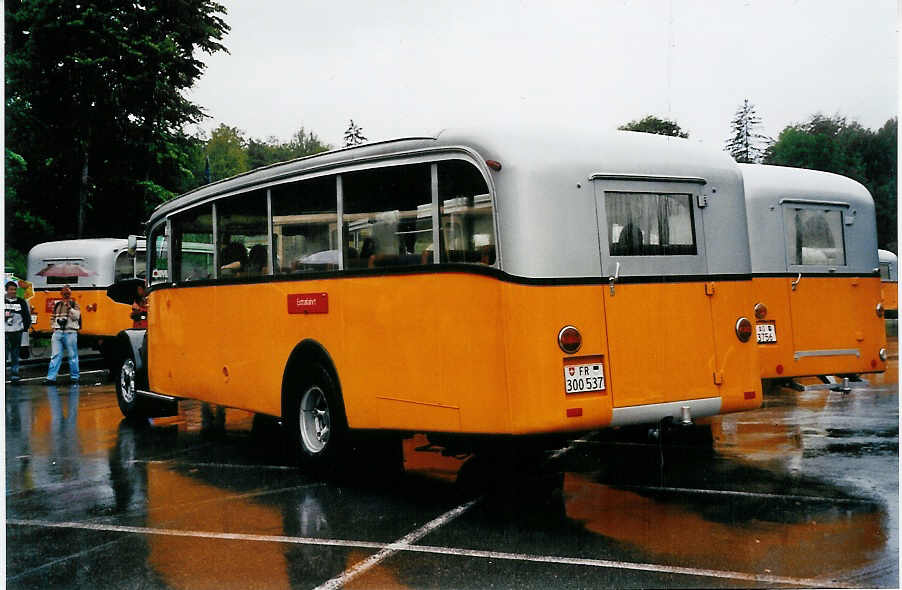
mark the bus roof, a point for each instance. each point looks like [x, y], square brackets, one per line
[98, 254]
[544, 192]
[886, 256]
[768, 187]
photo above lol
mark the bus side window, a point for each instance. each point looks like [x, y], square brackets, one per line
[159, 255]
[650, 224]
[468, 227]
[388, 216]
[305, 226]
[141, 264]
[192, 239]
[243, 241]
[125, 267]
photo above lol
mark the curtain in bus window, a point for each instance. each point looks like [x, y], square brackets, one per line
[467, 223]
[305, 226]
[388, 216]
[193, 244]
[243, 235]
[814, 236]
[650, 224]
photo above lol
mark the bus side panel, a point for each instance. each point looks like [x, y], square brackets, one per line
[890, 294]
[773, 292]
[737, 362]
[839, 314]
[183, 342]
[536, 364]
[100, 315]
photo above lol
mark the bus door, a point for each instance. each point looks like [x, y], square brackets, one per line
[656, 305]
[827, 315]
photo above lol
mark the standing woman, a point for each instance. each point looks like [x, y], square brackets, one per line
[66, 322]
[18, 320]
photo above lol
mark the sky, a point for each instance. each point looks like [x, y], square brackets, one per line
[412, 68]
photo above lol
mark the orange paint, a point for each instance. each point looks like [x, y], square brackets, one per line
[821, 314]
[101, 316]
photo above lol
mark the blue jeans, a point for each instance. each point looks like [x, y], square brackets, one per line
[59, 341]
[13, 346]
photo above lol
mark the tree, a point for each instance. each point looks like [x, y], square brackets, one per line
[746, 144]
[95, 106]
[227, 152]
[833, 144]
[272, 150]
[658, 126]
[354, 135]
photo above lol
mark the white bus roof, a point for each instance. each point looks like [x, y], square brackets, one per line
[768, 187]
[98, 255]
[544, 191]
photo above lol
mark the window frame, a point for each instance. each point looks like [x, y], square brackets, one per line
[840, 207]
[430, 156]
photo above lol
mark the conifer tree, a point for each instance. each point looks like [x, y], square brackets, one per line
[746, 144]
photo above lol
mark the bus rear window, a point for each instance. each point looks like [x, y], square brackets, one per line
[814, 236]
[650, 224]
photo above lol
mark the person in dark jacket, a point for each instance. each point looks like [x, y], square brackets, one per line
[18, 320]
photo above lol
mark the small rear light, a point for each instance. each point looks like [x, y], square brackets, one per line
[494, 165]
[760, 311]
[569, 339]
[574, 412]
[779, 369]
[743, 329]
[879, 310]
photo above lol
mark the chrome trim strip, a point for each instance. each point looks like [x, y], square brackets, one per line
[436, 223]
[813, 202]
[652, 413]
[827, 352]
[168, 398]
[647, 178]
[340, 212]
[270, 238]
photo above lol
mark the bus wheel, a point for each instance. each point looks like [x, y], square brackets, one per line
[317, 417]
[126, 388]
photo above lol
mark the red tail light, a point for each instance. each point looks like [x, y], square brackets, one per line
[743, 329]
[760, 311]
[569, 339]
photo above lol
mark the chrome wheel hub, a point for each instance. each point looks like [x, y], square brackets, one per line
[315, 420]
[127, 381]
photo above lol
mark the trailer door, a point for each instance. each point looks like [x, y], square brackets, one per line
[657, 308]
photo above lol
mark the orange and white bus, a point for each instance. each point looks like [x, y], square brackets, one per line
[88, 266]
[817, 286]
[464, 284]
[889, 282]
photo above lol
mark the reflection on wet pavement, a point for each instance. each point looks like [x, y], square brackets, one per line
[804, 489]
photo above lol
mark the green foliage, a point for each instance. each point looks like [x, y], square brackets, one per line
[656, 125]
[227, 152]
[272, 150]
[95, 104]
[833, 144]
[15, 262]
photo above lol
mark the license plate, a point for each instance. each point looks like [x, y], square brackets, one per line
[582, 378]
[766, 333]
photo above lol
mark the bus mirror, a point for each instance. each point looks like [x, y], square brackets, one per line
[132, 245]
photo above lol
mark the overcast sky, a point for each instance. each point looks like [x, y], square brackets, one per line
[408, 68]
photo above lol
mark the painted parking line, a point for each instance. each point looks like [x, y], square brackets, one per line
[765, 495]
[401, 546]
[217, 465]
[26, 380]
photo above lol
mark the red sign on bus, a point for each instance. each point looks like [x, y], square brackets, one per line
[308, 303]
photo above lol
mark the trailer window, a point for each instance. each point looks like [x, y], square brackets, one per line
[305, 226]
[814, 236]
[125, 267]
[650, 224]
[388, 216]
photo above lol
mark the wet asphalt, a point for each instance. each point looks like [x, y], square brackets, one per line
[803, 492]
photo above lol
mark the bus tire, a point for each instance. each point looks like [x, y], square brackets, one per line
[127, 388]
[316, 417]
